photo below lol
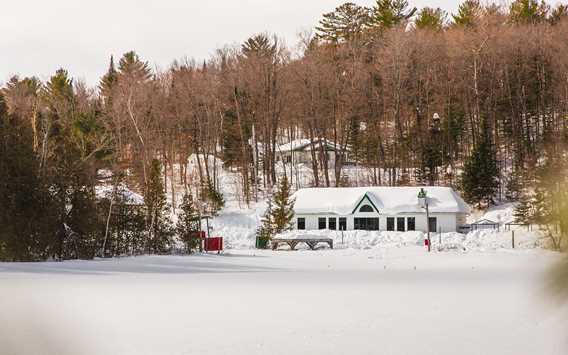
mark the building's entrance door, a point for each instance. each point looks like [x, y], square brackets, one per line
[367, 224]
[433, 224]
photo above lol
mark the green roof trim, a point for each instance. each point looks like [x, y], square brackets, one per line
[363, 199]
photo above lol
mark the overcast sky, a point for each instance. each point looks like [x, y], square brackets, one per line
[39, 36]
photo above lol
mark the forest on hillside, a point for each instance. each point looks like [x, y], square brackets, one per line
[477, 100]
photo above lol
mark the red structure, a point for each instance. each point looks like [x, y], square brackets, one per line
[213, 244]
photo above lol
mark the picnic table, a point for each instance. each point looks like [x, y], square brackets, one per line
[293, 242]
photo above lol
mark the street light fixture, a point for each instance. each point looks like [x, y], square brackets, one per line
[423, 201]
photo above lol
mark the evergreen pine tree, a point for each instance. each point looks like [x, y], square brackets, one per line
[259, 46]
[480, 178]
[188, 222]
[27, 217]
[108, 81]
[431, 19]
[214, 199]
[559, 14]
[391, 13]
[514, 185]
[158, 223]
[524, 212]
[528, 11]
[468, 14]
[283, 211]
[266, 229]
[347, 22]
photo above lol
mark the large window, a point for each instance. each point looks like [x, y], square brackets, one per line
[411, 223]
[332, 223]
[400, 224]
[366, 208]
[301, 223]
[322, 223]
[342, 223]
[433, 224]
[367, 224]
[390, 223]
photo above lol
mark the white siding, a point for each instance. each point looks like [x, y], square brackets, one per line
[446, 222]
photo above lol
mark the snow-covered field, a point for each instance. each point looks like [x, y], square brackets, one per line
[376, 301]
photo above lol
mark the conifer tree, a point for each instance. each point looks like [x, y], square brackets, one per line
[468, 14]
[158, 223]
[27, 218]
[347, 22]
[524, 211]
[188, 222]
[391, 13]
[260, 46]
[132, 66]
[528, 11]
[266, 229]
[214, 199]
[283, 211]
[480, 178]
[431, 19]
[559, 14]
[108, 81]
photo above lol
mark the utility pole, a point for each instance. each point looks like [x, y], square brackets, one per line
[423, 200]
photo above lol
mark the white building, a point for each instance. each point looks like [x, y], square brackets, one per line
[379, 208]
[300, 151]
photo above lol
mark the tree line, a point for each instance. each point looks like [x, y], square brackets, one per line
[477, 100]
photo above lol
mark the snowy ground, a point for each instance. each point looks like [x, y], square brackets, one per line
[374, 301]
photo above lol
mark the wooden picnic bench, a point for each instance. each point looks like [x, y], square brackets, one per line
[292, 243]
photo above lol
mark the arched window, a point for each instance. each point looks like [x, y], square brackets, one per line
[366, 208]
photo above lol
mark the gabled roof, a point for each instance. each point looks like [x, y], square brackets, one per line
[127, 195]
[304, 144]
[387, 200]
[485, 221]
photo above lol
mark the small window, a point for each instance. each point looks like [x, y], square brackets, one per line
[390, 223]
[301, 223]
[321, 223]
[366, 208]
[400, 224]
[411, 223]
[332, 222]
[342, 223]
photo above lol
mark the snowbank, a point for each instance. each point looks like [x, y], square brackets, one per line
[481, 240]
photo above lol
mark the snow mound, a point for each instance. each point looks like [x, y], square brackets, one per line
[128, 196]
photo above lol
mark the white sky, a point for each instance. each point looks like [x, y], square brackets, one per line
[39, 36]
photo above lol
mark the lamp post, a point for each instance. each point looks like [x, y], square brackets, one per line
[423, 201]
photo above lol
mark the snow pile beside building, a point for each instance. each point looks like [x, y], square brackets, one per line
[481, 240]
[501, 214]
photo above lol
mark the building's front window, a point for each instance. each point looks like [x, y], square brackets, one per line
[367, 224]
[342, 223]
[301, 223]
[411, 223]
[322, 223]
[400, 224]
[390, 223]
[332, 223]
[366, 208]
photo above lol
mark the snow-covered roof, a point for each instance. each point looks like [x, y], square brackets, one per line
[388, 200]
[485, 221]
[128, 196]
[303, 144]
